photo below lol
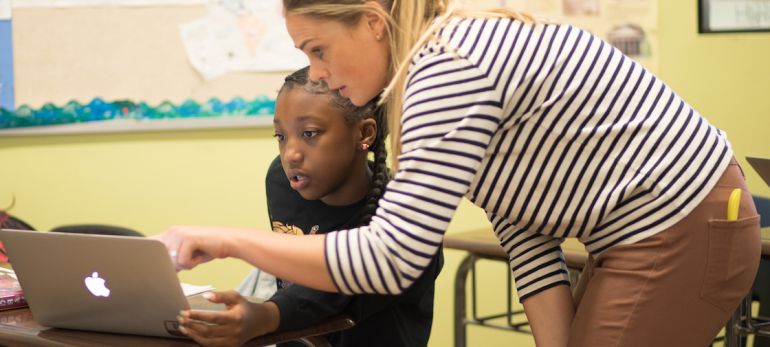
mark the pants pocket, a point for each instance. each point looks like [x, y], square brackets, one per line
[734, 249]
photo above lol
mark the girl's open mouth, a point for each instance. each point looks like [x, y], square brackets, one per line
[298, 182]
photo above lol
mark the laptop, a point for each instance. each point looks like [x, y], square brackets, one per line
[762, 166]
[115, 284]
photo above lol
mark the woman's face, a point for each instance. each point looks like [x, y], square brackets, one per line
[319, 149]
[351, 59]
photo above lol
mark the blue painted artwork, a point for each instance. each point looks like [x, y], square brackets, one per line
[6, 65]
[99, 110]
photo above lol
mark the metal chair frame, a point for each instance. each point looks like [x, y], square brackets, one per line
[468, 264]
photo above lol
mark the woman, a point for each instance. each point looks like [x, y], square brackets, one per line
[555, 134]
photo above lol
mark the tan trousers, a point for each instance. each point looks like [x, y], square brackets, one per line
[675, 288]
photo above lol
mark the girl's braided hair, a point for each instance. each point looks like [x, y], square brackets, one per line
[380, 174]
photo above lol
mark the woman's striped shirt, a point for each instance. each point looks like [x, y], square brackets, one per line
[549, 129]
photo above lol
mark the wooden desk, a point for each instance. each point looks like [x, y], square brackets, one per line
[483, 244]
[19, 328]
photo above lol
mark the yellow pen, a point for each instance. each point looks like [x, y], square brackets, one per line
[734, 204]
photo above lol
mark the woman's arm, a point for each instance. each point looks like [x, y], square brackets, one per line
[550, 314]
[298, 259]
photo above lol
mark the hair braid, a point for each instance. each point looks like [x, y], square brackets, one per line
[380, 174]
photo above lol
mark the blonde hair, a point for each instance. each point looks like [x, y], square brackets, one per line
[410, 24]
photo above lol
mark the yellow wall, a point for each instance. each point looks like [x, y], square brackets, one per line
[150, 181]
[725, 76]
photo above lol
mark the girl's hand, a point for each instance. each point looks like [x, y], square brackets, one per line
[190, 246]
[242, 321]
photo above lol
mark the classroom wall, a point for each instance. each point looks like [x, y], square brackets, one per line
[724, 76]
[149, 181]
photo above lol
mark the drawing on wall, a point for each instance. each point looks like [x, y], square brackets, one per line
[240, 35]
[99, 115]
[628, 38]
[581, 7]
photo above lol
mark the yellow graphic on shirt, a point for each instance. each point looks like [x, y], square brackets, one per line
[279, 227]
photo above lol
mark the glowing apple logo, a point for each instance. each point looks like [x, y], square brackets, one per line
[95, 285]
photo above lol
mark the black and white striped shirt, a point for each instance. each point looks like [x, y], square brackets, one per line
[549, 129]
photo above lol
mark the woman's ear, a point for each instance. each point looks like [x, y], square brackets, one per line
[374, 21]
[368, 130]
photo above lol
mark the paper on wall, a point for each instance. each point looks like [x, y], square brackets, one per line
[203, 49]
[241, 35]
[739, 14]
[5, 9]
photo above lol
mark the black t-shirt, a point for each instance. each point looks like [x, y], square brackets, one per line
[381, 320]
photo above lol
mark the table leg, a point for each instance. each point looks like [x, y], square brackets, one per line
[732, 333]
[461, 338]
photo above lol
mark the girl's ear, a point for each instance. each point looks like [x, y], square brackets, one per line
[368, 130]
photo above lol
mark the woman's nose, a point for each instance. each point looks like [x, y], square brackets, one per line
[318, 73]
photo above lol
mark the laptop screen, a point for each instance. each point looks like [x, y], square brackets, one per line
[762, 165]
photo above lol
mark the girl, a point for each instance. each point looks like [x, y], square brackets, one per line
[555, 134]
[320, 182]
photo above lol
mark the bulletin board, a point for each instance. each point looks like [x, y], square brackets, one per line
[129, 65]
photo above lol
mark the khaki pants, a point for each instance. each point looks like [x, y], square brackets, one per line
[675, 288]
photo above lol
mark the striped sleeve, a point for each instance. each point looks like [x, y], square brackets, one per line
[536, 260]
[451, 111]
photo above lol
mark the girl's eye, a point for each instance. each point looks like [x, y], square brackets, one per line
[279, 137]
[310, 133]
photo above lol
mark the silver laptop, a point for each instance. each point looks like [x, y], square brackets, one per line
[762, 166]
[115, 284]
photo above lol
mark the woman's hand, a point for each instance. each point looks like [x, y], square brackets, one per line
[191, 246]
[553, 309]
[242, 321]
[298, 259]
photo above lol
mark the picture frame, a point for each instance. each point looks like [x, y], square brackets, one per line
[733, 16]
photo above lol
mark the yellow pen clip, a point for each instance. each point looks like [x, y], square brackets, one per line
[734, 204]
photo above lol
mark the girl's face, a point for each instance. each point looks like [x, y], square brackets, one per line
[351, 59]
[320, 151]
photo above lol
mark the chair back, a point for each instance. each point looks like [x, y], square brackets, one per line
[8, 221]
[763, 208]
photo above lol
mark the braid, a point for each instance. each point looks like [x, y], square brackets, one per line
[301, 78]
[295, 79]
[380, 176]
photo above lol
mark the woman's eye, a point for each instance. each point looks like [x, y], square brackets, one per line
[279, 137]
[318, 52]
[310, 133]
